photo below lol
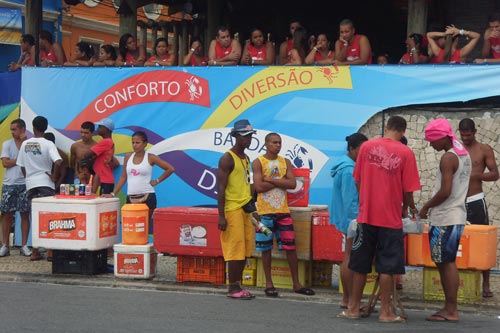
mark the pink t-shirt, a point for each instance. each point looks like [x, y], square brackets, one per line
[384, 169]
[104, 150]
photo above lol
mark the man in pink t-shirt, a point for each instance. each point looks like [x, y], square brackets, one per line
[385, 171]
[103, 155]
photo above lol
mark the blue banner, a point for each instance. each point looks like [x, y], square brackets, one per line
[187, 112]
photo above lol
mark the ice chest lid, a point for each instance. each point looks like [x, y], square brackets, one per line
[122, 248]
[309, 208]
[97, 200]
[186, 210]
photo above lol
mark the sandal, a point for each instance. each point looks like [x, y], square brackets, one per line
[305, 291]
[271, 292]
[242, 294]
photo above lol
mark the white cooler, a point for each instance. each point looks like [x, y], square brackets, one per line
[134, 261]
[75, 224]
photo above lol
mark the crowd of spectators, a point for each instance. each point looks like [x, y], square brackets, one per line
[298, 48]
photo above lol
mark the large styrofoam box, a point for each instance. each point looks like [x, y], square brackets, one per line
[75, 224]
[134, 261]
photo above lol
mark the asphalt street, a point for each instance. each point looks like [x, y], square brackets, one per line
[42, 307]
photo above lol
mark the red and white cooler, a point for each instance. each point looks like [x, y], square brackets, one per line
[75, 224]
[135, 261]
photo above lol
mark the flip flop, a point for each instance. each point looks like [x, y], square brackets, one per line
[305, 291]
[439, 317]
[345, 315]
[242, 294]
[487, 294]
[396, 320]
[271, 292]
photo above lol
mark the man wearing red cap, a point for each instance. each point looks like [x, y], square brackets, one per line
[447, 211]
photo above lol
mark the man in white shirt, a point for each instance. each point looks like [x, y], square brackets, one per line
[14, 189]
[36, 157]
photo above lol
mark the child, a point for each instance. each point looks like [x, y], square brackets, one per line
[87, 175]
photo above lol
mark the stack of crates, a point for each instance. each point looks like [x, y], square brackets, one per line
[200, 269]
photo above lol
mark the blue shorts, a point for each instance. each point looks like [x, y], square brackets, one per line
[282, 227]
[444, 242]
[14, 199]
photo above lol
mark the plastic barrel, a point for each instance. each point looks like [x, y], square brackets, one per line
[299, 196]
[135, 224]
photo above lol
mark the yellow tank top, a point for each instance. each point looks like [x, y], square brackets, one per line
[273, 201]
[238, 191]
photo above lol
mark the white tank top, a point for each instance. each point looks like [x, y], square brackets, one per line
[452, 211]
[139, 176]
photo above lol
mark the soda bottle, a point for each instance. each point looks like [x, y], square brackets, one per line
[259, 225]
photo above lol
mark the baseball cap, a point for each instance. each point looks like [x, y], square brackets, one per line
[106, 122]
[242, 127]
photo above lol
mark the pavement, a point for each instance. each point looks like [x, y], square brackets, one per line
[16, 268]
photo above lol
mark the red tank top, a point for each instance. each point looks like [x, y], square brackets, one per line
[194, 62]
[50, 56]
[318, 56]
[495, 47]
[406, 59]
[257, 53]
[354, 50]
[129, 57]
[221, 52]
[454, 59]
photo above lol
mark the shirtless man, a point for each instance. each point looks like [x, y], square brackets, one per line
[482, 157]
[79, 149]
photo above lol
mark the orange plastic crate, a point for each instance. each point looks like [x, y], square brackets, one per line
[200, 269]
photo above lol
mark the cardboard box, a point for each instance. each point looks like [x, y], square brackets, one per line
[134, 261]
[73, 224]
[281, 275]
[327, 242]
[469, 290]
[187, 231]
[477, 248]
[302, 218]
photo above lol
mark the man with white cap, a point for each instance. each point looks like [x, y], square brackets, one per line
[103, 154]
[447, 211]
[234, 192]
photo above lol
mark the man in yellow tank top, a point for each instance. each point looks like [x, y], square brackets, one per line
[234, 191]
[272, 177]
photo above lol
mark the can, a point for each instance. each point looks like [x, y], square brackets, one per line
[71, 189]
[62, 189]
[81, 189]
[88, 189]
[66, 192]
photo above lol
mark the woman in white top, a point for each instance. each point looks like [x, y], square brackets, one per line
[137, 171]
